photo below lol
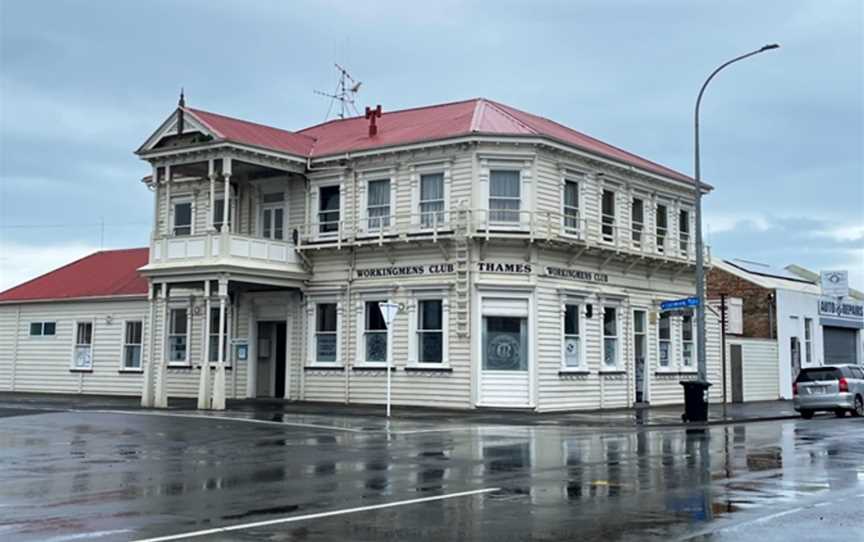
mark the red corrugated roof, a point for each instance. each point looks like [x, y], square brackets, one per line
[105, 273]
[259, 135]
[430, 123]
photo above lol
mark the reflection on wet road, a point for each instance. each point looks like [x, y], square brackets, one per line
[126, 476]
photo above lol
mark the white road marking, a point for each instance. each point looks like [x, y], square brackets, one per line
[226, 418]
[292, 519]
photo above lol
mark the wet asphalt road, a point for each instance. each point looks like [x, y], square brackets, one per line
[112, 475]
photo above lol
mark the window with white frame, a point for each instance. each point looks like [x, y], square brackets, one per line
[571, 206]
[326, 337]
[132, 341]
[378, 204]
[177, 336]
[374, 333]
[808, 340]
[43, 329]
[687, 340]
[662, 226]
[213, 337]
[684, 231]
[607, 215]
[83, 355]
[505, 198]
[431, 200]
[273, 216]
[572, 337]
[637, 220]
[329, 204]
[664, 338]
[182, 217]
[430, 331]
[611, 348]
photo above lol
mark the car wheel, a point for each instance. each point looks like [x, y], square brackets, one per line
[859, 406]
[840, 413]
[806, 414]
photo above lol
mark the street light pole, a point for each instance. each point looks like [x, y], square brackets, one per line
[700, 251]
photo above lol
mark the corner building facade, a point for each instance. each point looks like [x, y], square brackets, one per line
[528, 262]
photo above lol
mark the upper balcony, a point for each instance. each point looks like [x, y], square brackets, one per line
[223, 249]
[549, 227]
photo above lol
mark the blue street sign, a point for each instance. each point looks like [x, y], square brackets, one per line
[679, 304]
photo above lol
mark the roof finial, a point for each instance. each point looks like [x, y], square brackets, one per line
[182, 102]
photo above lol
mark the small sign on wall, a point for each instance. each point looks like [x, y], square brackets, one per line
[835, 283]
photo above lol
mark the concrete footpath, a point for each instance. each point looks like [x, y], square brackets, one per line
[648, 416]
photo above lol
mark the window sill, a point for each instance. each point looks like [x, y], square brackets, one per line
[76, 370]
[431, 369]
[574, 372]
[337, 368]
[612, 372]
[179, 366]
[131, 371]
[213, 365]
[381, 368]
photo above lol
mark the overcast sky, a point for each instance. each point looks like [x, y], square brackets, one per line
[82, 84]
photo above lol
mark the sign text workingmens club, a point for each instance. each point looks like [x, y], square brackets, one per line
[405, 271]
[420, 270]
[550, 271]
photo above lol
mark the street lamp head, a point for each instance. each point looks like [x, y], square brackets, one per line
[769, 47]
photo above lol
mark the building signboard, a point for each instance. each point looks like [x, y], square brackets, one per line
[835, 283]
[850, 310]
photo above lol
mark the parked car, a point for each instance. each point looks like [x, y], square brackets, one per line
[835, 388]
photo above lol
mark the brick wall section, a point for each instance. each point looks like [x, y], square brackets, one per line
[758, 302]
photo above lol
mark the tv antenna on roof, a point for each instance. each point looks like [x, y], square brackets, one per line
[346, 90]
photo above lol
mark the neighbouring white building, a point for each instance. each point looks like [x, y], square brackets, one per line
[784, 324]
[528, 262]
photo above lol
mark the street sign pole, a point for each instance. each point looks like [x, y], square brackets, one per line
[388, 312]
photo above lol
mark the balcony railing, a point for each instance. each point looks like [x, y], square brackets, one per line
[215, 248]
[549, 226]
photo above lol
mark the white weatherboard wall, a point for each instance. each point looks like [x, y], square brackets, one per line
[42, 364]
[760, 368]
[792, 308]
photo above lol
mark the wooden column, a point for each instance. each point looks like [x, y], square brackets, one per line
[204, 383]
[219, 381]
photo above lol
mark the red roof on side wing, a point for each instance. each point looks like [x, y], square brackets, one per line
[101, 274]
[259, 135]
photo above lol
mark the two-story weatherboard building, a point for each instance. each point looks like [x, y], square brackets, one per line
[528, 261]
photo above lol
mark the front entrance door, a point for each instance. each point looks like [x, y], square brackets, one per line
[737, 373]
[271, 359]
[640, 348]
[504, 357]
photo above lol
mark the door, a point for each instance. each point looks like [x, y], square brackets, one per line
[640, 342]
[840, 345]
[279, 377]
[271, 359]
[273, 221]
[736, 359]
[504, 358]
[264, 369]
[795, 357]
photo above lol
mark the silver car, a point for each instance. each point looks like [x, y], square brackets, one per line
[837, 388]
